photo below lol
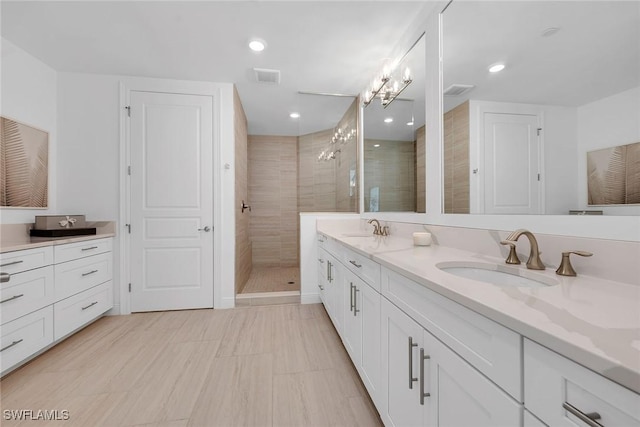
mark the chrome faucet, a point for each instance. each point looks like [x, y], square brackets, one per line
[377, 230]
[534, 262]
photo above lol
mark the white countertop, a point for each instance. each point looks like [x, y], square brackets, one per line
[592, 321]
[15, 237]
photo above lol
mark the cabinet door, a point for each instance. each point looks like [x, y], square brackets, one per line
[352, 303]
[322, 275]
[462, 396]
[401, 341]
[334, 293]
[368, 302]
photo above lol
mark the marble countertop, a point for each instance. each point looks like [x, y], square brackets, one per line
[15, 237]
[593, 321]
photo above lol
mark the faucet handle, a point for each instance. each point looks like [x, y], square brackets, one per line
[565, 268]
[385, 231]
[512, 258]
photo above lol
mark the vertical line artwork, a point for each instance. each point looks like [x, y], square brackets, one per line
[24, 165]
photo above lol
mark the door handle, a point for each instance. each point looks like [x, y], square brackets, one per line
[206, 229]
[4, 277]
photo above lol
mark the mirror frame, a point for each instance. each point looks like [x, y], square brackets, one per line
[624, 228]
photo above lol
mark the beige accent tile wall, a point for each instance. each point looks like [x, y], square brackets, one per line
[346, 164]
[243, 240]
[391, 168]
[316, 179]
[273, 185]
[421, 169]
[456, 159]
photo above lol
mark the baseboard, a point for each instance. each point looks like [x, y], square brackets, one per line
[310, 299]
[225, 303]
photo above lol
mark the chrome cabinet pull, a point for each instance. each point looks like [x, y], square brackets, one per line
[355, 301]
[587, 418]
[90, 305]
[411, 378]
[11, 345]
[320, 260]
[351, 296]
[90, 272]
[423, 357]
[11, 263]
[329, 276]
[89, 248]
[12, 298]
[4, 277]
[355, 263]
[321, 287]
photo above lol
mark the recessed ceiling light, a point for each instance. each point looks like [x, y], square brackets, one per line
[410, 123]
[496, 68]
[388, 120]
[376, 145]
[294, 115]
[257, 45]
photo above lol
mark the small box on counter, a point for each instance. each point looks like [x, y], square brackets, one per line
[57, 222]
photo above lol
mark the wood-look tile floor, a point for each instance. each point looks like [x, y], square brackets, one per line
[254, 366]
[272, 279]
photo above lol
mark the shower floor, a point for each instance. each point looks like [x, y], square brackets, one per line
[272, 279]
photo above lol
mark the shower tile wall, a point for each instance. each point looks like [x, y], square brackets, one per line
[391, 167]
[316, 179]
[456, 159]
[421, 169]
[243, 241]
[273, 173]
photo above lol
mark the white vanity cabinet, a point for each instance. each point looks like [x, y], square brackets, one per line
[51, 292]
[427, 384]
[561, 392]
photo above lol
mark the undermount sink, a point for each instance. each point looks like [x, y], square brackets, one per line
[500, 275]
[358, 234]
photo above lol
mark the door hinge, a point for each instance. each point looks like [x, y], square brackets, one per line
[538, 131]
[128, 108]
[128, 170]
[129, 287]
[128, 227]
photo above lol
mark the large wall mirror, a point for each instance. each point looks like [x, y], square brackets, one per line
[394, 142]
[530, 88]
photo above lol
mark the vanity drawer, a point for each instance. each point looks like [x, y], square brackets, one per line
[26, 292]
[74, 312]
[490, 347]
[71, 251]
[552, 381]
[365, 268]
[25, 336]
[76, 276]
[19, 261]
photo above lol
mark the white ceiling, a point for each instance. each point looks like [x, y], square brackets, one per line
[319, 46]
[595, 53]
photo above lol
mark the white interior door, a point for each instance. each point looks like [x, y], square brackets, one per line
[171, 205]
[511, 164]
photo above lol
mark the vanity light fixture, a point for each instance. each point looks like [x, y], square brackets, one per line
[388, 120]
[496, 68]
[257, 45]
[294, 115]
[385, 88]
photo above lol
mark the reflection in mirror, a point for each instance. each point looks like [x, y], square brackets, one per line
[394, 144]
[327, 154]
[516, 140]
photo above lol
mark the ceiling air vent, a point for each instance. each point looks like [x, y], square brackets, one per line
[457, 90]
[264, 75]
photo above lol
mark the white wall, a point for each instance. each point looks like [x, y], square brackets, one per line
[28, 94]
[608, 122]
[90, 111]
